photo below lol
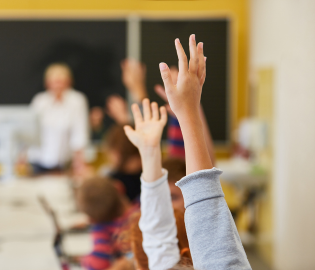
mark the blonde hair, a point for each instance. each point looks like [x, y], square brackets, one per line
[58, 65]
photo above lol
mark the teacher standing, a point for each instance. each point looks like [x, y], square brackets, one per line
[63, 116]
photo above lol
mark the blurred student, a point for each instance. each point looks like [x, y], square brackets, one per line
[117, 109]
[213, 239]
[110, 213]
[125, 161]
[63, 116]
[134, 79]
[176, 168]
[97, 124]
[124, 158]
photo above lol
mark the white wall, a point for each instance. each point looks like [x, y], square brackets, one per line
[283, 36]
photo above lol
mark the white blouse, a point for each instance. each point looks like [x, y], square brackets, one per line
[63, 127]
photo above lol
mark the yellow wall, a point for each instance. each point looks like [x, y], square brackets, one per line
[236, 9]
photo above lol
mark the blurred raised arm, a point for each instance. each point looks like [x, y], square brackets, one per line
[134, 78]
[157, 221]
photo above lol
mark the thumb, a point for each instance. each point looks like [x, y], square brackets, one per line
[166, 76]
[132, 135]
[129, 131]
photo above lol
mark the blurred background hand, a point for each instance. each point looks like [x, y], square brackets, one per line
[134, 77]
[117, 109]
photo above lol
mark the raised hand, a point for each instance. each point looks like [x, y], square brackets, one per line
[147, 137]
[149, 127]
[184, 96]
[159, 89]
[184, 100]
[133, 77]
[116, 108]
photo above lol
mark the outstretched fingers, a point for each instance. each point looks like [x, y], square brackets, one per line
[203, 76]
[163, 115]
[194, 60]
[182, 58]
[166, 76]
[158, 116]
[201, 64]
[146, 109]
[155, 111]
[136, 114]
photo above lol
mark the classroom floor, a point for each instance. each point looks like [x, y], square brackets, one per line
[255, 261]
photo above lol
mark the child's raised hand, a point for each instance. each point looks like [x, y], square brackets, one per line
[133, 77]
[184, 97]
[149, 127]
[159, 89]
[116, 108]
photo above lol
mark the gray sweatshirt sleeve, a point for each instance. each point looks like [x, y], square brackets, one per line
[158, 224]
[213, 238]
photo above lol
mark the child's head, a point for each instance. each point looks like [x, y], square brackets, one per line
[100, 200]
[123, 155]
[176, 170]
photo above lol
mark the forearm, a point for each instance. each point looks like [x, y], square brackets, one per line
[158, 224]
[157, 221]
[151, 159]
[196, 151]
[207, 135]
[209, 220]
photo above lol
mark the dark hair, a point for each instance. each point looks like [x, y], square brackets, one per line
[176, 169]
[99, 199]
[117, 140]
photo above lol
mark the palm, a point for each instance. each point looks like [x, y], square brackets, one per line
[148, 133]
[193, 83]
[186, 94]
[149, 127]
[190, 91]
